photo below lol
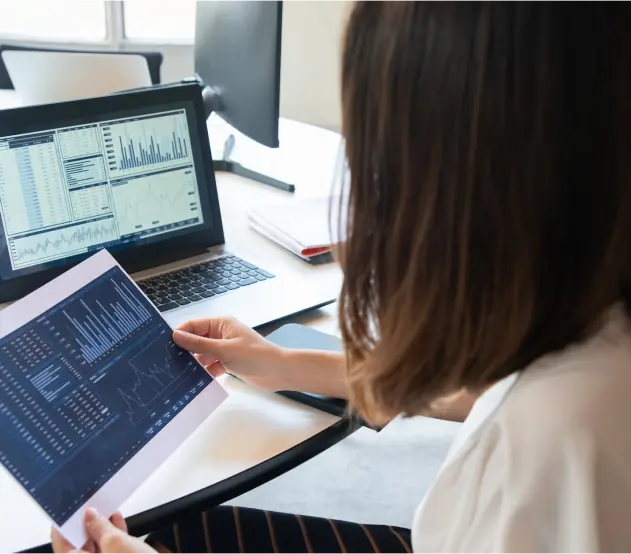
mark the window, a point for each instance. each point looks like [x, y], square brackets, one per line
[58, 21]
[111, 23]
[159, 20]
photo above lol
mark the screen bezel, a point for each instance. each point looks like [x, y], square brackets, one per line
[137, 257]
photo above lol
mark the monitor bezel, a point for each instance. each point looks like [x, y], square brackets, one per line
[137, 257]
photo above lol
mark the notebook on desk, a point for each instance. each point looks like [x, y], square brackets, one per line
[302, 227]
[299, 336]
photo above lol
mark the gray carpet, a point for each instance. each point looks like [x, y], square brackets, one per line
[370, 477]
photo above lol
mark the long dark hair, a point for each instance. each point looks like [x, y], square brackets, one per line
[489, 146]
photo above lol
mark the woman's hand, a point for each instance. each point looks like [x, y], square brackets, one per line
[228, 346]
[103, 536]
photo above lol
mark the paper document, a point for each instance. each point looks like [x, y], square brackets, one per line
[94, 395]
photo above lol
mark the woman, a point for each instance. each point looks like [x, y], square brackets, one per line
[487, 263]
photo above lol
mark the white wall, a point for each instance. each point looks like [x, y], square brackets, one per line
[310, 62]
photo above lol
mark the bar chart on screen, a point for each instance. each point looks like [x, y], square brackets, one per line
[146, 143]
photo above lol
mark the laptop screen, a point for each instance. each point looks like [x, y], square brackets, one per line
[115, 182]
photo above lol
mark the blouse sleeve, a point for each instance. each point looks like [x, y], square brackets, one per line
[569, 496]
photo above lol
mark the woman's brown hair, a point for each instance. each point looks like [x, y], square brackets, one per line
[489, 206]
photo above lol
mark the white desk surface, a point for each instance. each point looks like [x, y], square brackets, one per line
[251, 426]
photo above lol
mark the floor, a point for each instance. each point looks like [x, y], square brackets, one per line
[370, 477]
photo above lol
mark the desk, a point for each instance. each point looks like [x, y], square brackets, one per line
[254, 436]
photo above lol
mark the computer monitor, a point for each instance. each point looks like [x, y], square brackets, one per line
[130, 172]
[237, 59]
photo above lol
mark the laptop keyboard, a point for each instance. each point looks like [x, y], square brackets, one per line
[192, 284]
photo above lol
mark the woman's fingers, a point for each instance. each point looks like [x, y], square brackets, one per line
[62, 546]
[59, 543]
[99, 529]
[118, 521]
[215, 369]
[212, 328]
[199, 344]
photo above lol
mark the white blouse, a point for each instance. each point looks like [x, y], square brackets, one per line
[543, 462]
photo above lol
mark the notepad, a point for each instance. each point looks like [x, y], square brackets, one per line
[302, 226]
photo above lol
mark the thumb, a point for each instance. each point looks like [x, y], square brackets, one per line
[99, 528]
[199, 345]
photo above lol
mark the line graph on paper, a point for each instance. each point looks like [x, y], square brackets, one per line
[154, 371]
[59, 243]
[156, 200]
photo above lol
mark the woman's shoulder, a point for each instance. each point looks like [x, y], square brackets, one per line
[584, 390]
[549, 469]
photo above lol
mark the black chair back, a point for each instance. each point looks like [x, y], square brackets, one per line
[154, 60]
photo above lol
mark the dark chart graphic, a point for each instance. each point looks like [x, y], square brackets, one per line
[84, 387]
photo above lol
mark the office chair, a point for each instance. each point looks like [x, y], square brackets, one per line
[154, 60]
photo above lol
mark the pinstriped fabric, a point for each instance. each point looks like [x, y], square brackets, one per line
[209, 547]
[405, 545]
[272, 534]
[227, 529]
[237, 524]
[337, 536]
[370, 538]
[305, 536]
[176, 536]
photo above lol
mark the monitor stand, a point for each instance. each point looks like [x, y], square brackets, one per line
[212, 103]
[230, 166]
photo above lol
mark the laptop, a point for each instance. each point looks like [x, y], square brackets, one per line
[132, 173]
[41, 77]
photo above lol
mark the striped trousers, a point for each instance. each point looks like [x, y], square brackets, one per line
[231, 529]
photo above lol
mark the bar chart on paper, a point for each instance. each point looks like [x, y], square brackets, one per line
[145, 144]
[86, 385]
[100, 324]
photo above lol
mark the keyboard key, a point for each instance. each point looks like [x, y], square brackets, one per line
[207, 294]
[265, 273]
[220, 290]
[260, 277]
[167, 306]
[195, 297]
[232, 286]
[249, 266]
[199, 289]
[175, 296]
[235, 279]
[183, 301]
[235, 271]
[248, 281]
[223, 282]
[188, 293]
